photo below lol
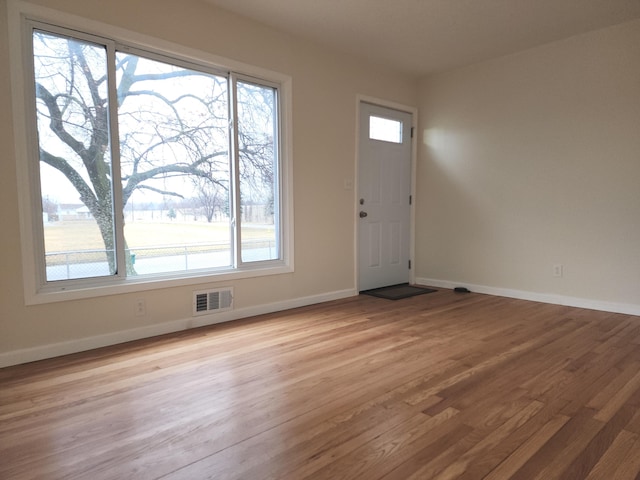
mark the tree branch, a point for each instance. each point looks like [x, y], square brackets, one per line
[86, 194]
[157, 190]
[56, 123]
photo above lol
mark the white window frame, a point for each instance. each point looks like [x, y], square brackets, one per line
[36, 290]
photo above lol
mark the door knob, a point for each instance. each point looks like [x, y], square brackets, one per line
[363, 214]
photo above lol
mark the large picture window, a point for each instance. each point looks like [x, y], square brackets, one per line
[150, 165]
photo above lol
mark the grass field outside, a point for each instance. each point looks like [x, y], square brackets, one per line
[85, 235]
[80, 241]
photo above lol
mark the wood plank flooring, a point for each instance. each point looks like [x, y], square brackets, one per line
[439, 386]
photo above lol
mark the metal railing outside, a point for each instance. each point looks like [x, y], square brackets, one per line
[160, 259]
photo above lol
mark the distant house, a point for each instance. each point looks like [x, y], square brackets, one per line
[73, 211]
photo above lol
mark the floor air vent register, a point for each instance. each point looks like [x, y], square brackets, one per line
[212, 301]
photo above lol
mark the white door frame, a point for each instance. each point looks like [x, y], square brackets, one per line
[414, 155]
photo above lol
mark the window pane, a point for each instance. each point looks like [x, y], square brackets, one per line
[385, 129]
[75, 162]
[259, 196]
[174, 154]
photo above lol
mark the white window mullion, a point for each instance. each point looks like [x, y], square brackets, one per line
[235, 173]
[277, 195]
[32, 166]
[116, 183]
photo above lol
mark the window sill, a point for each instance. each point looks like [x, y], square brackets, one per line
[90, 288]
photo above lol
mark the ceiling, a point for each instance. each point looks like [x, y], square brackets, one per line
[426, 36]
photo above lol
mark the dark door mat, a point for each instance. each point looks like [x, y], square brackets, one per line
[396, 292]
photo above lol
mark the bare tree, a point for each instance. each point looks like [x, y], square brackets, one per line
[173, 124]
[211, 197]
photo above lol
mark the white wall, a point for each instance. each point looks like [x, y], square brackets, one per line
[533, 160]
[325, 87]
[525, 162]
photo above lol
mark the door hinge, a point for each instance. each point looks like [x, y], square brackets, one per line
[410, 199]
[409, 264]
[412, 128]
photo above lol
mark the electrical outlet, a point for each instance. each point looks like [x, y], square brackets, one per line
[141, 308]
[558, 270]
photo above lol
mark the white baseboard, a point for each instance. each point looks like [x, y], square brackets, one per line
[626, 308]
[25, 355]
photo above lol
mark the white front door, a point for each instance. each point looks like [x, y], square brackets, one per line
[384, 192]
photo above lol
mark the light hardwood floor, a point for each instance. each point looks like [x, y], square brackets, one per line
[440, 386]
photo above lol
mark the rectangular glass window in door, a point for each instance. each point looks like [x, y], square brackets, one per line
[385, 129]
